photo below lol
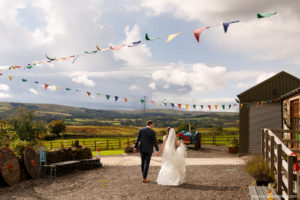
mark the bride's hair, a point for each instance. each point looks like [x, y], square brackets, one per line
[167, 131]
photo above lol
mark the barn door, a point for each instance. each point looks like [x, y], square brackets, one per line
[295, 120]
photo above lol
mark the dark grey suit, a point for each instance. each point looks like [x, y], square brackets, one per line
[147, 138]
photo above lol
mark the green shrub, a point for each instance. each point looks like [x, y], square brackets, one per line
[233, 143]
[19, 146]
[259, 169]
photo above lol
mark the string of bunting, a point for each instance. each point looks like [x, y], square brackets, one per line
[203, 107]
[197, 32]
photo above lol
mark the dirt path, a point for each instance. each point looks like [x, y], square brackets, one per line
[209, 176]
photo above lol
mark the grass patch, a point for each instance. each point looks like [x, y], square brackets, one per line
[109, 153]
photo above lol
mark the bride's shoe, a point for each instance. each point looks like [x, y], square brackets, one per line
[145, 180]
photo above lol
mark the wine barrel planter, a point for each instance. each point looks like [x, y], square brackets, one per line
[9, 166]
[32, 162]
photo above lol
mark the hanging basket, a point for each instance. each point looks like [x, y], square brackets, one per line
[9, 166]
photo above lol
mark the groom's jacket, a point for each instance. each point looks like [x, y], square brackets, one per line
[147, 138]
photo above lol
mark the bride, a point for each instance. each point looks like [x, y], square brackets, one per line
[172, 171]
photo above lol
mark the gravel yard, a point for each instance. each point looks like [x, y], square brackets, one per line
[210, 175]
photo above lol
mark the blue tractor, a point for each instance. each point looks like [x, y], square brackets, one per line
[190, 138]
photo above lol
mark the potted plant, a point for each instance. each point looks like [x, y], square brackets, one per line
[233, 146]
[259, 170]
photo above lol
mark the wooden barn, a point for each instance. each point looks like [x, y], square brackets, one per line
[253, 117]
[291, 114]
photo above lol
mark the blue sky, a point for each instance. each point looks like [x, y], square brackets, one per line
[181, 71]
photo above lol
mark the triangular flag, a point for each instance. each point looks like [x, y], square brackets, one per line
[36, 82]
[261, 103]
[209, 107]
[10, 78]
[88, 93]
[46, 86]
[78, 90]
[147, 37]
[226, 25]
[265, 15]
[1, 74]
[107, 96]
[187, 106]
[116, 98]
[172, 36]
[257, 103]
[216, 107]
[201, 107]
[24, 80]
[50, 59]
[135, 44]
[117, 47]
[57, 87]
[179, 106]
[229, 106]
[125, 99]
[97, 47]
[194, 106]
[153, 102]
[172, 104]
[142, 101]
[235, 105]
[165, 104]
[90, 52]
[198, 31]
[223, 106]
[68, 89]
[99, 94]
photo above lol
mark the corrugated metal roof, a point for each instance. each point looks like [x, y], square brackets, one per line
[291, 93]
[271, 88]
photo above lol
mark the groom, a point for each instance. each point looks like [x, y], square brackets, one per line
[147, 138]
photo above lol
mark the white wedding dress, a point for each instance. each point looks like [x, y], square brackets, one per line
[172, 171]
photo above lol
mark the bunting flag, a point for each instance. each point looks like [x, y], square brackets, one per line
[172, 36]
[201, 107]
[36, 82]
[142, 101]
[259, 16]
[134, 44]
[216, 107]
[50, 59]
[153, 102]
[226, 25]
[57, 87]
[91, 52]
[194, 106]
[150, 39]
[24, 80]
[172, 104]
[76, 57]
[241, 105]
[223, 106]
[46, 86]
[187, 106]
[235, 105]
[68, 89]
[257, 103]
[261, 103]
[117, 47]
[179, 106]
[165, 103]
[88, 93]
[209, 107]
[125, 99]
[229, 106]
[99, 94]
[107, 96]
[116, 98]
[97, 47]
[198, 31]
[10, 78]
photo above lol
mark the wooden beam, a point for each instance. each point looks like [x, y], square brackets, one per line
[279, 170]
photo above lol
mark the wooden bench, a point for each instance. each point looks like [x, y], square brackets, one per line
[70, 164]
[90, 163]
[261, 192]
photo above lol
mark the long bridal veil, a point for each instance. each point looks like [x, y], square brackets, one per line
[173, 169]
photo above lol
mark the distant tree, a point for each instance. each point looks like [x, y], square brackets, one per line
[219, 128]
[57, 127]
[25, 126]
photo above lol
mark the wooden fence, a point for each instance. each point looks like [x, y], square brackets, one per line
[116, 144]
[281, 160]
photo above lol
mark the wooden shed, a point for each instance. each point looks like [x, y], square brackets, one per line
[291, 114]
[253, 117]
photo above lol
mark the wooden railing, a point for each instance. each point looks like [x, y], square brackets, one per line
[281, 160]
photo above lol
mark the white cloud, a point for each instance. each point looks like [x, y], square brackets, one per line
[82, 79]
[244, 85]
[133, 87]
[33, 91]
[4, 87]
[152, 86]
[199, 77]
[4, 95]
[264, 76]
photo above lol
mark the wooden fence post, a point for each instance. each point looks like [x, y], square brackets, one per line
[72, 144]
[291, 160]
[272, 154]
[262, 142]
[83, 143]
[51, 146]
[298, 185]
[61, 145]
[107, 144]
[267, 146]
[95, 146]
[279, 169]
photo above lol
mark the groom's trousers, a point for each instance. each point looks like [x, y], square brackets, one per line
[146, 157]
